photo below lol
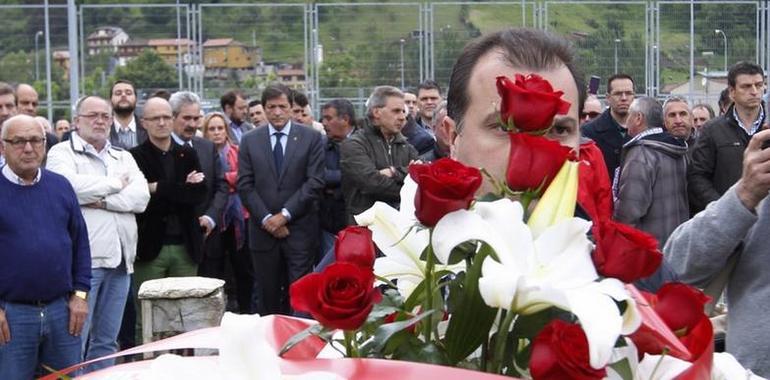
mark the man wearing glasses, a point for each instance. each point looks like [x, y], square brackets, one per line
[44, 277]
[111, 190]
[609, 129]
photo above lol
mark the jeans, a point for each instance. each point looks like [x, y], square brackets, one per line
[106, 301]
[39, 336]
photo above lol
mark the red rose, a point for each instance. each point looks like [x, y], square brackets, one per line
[560, 351]
[530, 103]
[354, 245]
[594, 193]
[533, 161]
[340, 297]
[444, 186]
[624, 252]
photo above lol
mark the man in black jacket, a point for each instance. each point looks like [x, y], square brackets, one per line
[609, 129]
[717, 156]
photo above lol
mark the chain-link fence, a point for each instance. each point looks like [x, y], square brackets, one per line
[334, 50]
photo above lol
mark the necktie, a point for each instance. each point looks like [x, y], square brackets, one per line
[278, 152]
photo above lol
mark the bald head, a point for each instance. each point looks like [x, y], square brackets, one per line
[158, 120]
[26, 99]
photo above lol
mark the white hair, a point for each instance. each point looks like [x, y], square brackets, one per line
[18, 118]
[182, 98]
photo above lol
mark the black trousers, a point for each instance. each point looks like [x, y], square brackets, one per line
[220, 249]
[275, 270]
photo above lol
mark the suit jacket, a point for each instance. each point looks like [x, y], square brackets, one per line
[296, 188]
[173, 196]
[605, 131]
[245, 127]
[141, 134]
[216, 187]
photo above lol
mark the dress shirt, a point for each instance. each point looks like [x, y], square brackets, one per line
[11, 176]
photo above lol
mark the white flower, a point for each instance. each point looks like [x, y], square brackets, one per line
[397, 236]
[531, 275]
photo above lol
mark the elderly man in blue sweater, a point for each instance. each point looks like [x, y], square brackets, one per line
[46, 262]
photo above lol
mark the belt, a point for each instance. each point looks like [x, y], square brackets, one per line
[36, 303]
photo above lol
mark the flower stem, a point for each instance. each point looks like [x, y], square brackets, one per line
[502, 339]
[350, 344]
[526, 199]
[429, 266]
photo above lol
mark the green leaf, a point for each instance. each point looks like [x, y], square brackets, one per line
[416, 298]
[623, 368]
[528, 326]
[416, 350]
[314, 330]
[386, 331]
[469, 325]
[462, 251]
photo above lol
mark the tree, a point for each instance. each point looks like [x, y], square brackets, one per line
[148, 70]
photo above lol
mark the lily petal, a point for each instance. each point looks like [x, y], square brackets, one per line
[600, 318]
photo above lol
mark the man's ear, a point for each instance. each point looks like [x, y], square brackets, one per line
[448, 133]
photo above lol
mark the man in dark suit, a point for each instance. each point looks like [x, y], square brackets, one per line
[186, 109]
[126, 131]
[236, 108]
[280, 177]
[170, 238]
[609, 129]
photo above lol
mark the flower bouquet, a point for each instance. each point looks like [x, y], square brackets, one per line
[522, 288]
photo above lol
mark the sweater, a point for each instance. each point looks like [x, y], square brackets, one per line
[43, 241]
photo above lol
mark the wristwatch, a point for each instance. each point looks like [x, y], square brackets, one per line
[81, 294]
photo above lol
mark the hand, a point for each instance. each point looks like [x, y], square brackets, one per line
[78, 312]
[754, 184]
[281, 233]
[415, 162]
[195, 177]
[273, 223]
[387, 172]
[124, 180]
[205, 225]
[152, 187]
[5, 332]
[100, 204]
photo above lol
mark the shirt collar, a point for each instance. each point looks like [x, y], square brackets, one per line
[131, 125]
[756, 125]
[11, 176]
[286, 129]
[179, 140]
[87, 147]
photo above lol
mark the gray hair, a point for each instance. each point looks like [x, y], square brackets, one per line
[650, 109]
[182, 98]
[17, 118]
[79, 104]
[379, 98]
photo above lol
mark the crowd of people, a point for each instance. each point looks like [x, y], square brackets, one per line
[256, 193]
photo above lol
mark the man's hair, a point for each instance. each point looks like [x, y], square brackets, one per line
[165, 94]
[6, 89]
[298, 98]
[706, 107]
[229, 98]
[275, 91]
[254, 102]
[616, 77]
[675, 99]
[123, 81]
[429, 85]
[6, 123]
[79, 104]
[650, 109]
[724, 99]
[182, 98]
[344, 108]
[379, 98]
[742, 68]
[531, 49]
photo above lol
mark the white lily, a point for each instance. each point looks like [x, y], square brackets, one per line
[534, 274]
[397, 236]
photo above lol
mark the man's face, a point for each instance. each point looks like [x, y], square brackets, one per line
[296, 113]
[27, 100]
[257, 115]
[677, 119]
[428, 100]
[635, 123]
[187, 121]
[482, 142]
[157, 118]
[62, 127]
[7, 107]
[391, 118]
[748, 90]
[699, 117]
[411, 101]
[123, 98]
[25, 153]
[336, 127]
[592, 108]
[239, 110]
[307, 116]
[621, 95]
[94, 121]
[278, 111]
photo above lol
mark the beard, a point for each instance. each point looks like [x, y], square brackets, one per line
[123, 111]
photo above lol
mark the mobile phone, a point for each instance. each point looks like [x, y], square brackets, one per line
[593, 85]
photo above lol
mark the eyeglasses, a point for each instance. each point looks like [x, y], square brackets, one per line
[36, 142]
[97, 116]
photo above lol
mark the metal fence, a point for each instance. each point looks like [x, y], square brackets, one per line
[345, 49]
